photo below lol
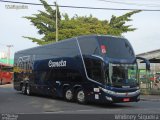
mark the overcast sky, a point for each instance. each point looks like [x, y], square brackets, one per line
[144, 39]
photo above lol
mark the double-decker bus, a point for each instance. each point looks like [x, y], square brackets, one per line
[95, 68]
[6, 73]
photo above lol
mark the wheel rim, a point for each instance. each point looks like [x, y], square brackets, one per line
[28, 90]
[23, 89]
[69, 95]
[81, 96]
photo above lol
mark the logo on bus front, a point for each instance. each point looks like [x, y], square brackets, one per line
[103, 49]
[61, 63]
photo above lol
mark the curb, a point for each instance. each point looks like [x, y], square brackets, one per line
[6, 86]
[145, 99]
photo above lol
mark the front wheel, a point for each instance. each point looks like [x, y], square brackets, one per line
[80, 97]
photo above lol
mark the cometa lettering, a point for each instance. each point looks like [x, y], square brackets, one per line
[57, 64]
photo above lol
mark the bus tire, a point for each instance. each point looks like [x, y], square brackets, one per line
[68, 94]
[80, 96]
[28, 90]
[23, 89]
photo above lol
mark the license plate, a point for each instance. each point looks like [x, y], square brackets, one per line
[126, 100]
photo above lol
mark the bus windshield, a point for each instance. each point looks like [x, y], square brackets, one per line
[117, 48]
[123, 74]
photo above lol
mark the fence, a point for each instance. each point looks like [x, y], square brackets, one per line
[149, 83]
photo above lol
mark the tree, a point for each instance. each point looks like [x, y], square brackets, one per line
[75, 26]
[45, 23]
[118, 26]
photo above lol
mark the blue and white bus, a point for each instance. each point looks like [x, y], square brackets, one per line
[95, 68]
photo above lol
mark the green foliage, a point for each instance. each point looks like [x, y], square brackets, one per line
[45, 23]
[118, 26]
[75, 26]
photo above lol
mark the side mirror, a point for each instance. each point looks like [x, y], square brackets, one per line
[144, 60]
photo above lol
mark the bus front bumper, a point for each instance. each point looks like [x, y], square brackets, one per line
[117, 97]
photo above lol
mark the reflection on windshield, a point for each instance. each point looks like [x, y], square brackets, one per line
[124, 74]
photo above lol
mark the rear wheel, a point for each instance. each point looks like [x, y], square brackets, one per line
[80, 97]
[23, 89]
[28, 90]
[68, 94]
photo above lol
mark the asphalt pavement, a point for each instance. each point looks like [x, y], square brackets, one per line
[16, 105]
[150, 98]
[143, 97]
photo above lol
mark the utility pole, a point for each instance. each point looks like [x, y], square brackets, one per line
[56, 22]
[8, 54]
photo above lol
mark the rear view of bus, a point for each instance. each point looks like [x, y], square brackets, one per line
[112, 67]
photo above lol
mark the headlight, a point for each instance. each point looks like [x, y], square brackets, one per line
[109, 98]
[138, 91]
[124, 94]
[137, 87]
[107, 91]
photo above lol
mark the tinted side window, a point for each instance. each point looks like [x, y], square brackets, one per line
[89, 46]
[58, 74]
[40, 77]
[66, 48]
[68, 75]
[94, 69]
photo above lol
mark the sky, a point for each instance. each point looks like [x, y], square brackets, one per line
[145, 38]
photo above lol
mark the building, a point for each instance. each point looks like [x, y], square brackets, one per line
[6, 62]
[154, 58]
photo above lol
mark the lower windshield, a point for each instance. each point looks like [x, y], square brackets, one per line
[123, 74]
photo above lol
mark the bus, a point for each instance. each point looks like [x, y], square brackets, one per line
[92, 68]
[6, 74]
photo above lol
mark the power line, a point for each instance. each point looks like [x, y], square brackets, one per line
[122, 9]
[81, 7]
[126, 3]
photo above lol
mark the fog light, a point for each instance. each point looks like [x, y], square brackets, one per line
[109, 98]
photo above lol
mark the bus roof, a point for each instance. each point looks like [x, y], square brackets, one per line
[94, 35]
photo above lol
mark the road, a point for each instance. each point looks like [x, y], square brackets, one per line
[12, 101]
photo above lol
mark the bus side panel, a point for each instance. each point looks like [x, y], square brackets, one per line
[39, 64]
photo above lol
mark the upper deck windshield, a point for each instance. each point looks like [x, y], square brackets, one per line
[115, 47]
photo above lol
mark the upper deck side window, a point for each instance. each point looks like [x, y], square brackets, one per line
[89, 46]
